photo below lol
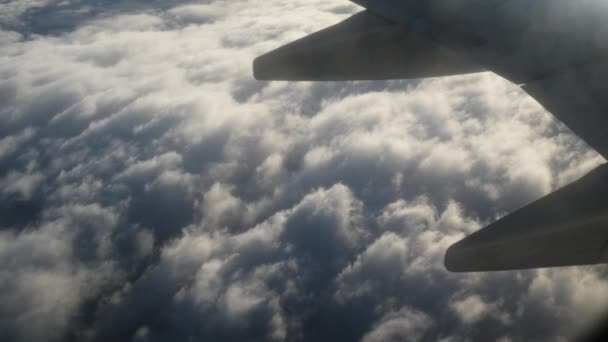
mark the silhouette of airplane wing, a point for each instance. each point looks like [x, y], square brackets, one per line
[555, 50]
[578, 97]
[363, 47]
[567, 227]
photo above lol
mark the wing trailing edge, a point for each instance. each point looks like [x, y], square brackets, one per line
[363, 47]
[568, 227]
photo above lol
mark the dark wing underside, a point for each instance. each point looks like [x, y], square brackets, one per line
[569, 226]
[363, 47]
[578, 97]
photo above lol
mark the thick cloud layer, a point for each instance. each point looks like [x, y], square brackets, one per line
[151, 190]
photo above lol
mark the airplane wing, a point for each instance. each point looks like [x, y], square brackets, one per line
[569, 226]
[578, 97]
[547, 49]
[363, 47]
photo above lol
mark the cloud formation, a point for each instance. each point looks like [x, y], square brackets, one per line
[151, 190]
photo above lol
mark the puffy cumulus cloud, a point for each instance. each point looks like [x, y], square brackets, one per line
[379, 267]
[51, 270]
[151, 190]
[470, 309]
[12, 11]
[404, 325]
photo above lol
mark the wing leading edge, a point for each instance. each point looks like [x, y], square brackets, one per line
[363, 47]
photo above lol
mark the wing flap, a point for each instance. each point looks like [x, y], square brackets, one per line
[363, 47]
[568, 227]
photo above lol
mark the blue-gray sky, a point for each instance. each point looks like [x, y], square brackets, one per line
[151, 190]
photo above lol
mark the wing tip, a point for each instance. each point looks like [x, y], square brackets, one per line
[280, 65]
[448, 261]
[454, 260]
[259, 70]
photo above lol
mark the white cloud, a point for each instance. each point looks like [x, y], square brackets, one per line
[11, 10]
[403, 325]
[470, 309]
[199, 14]
[21, 184]
[156, 191]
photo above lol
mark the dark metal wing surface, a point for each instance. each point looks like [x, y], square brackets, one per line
[568, 227]
[363, 47]
[578, 97]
